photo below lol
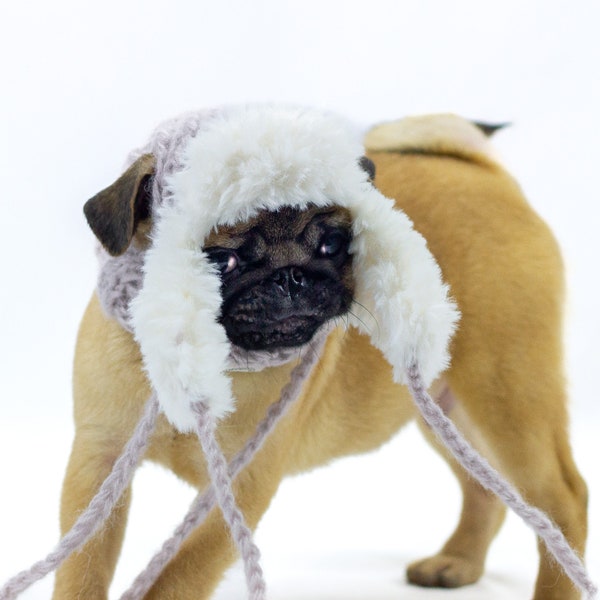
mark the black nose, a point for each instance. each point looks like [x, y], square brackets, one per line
[289, 280]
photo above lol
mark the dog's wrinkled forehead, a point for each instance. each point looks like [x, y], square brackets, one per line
[287, 223]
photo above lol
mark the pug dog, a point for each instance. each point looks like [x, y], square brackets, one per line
[285, 276]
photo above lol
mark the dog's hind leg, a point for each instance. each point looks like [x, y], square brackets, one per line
[523, 421]
[461, 560]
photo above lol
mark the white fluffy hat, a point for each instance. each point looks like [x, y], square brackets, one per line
[224, 169]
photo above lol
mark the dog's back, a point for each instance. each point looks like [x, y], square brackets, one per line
[499, 257]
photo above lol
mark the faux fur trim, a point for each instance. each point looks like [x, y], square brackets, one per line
[257, 158]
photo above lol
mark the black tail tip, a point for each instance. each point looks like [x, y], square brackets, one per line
[490, 128]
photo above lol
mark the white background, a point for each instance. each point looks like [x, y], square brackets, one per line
[83, 83]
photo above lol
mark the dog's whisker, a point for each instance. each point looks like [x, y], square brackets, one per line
[309, 347]
[344, 321]
[366, 327]
[369, 313]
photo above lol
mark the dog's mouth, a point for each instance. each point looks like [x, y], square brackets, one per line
[273, 315]
[285, 332]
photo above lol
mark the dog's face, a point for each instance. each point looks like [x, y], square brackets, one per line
[284, 274]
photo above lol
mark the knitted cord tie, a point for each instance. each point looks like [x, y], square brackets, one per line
[222, 485]
[99, 509]
[491, 480]
[204, 502]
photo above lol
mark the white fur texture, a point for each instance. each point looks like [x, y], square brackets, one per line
[257, 158]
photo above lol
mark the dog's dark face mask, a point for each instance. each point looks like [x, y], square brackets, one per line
[284, 274]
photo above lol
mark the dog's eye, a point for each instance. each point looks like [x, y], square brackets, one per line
[225, 260]
[333, 243]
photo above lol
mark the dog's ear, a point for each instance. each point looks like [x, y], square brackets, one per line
[369, 166]
[114, 213]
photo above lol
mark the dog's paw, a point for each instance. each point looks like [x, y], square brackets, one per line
[444, 570]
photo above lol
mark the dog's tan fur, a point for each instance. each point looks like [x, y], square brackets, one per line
[505, 383]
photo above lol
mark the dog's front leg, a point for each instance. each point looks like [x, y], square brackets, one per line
[109, 391]
[87, 574]
[201, 562]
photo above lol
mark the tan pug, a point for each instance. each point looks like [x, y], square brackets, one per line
[286, 273]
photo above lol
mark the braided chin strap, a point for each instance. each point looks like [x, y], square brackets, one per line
[491, 480]
[99, 509]
[219, 475]
[220, 492]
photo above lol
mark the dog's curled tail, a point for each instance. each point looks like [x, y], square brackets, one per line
[437, 134]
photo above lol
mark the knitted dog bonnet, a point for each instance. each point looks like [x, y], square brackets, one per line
[219, 168]
[254, 159]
